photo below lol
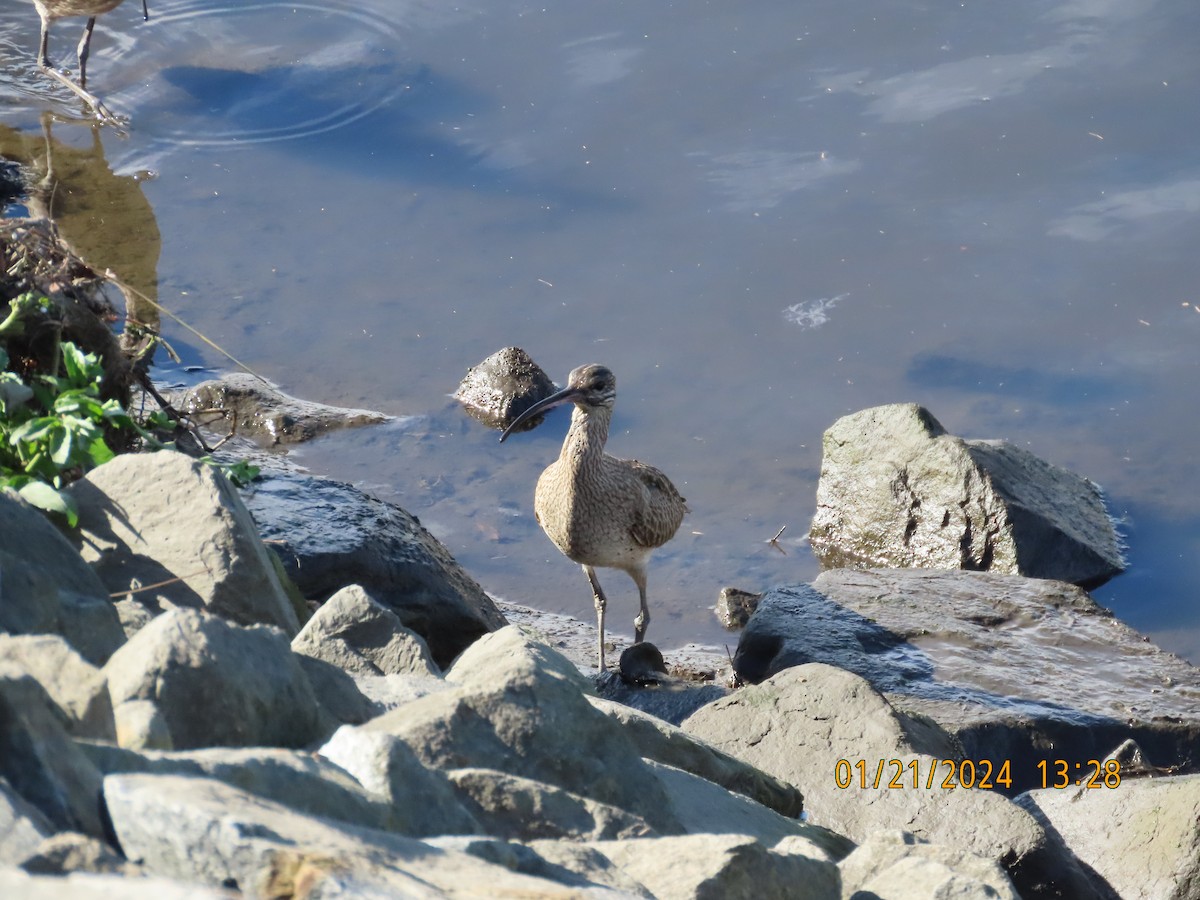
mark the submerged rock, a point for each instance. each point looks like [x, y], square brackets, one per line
[253, 407]
[897, 490]
[502, 387]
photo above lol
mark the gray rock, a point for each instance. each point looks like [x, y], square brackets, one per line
[78, 687]
[735, 606]
[719, 866]
[518, 706]
[304, 782]
[323, 530]
[894, 863]
[215, 683]
[204, 831]
[338, 692]
[22, 826]
[586, 863]
[252, 407]
[502, 387]
[1007, 665]
[1142, 836]
[672, 746]
[390, 691]
[801, 723]
[47, 589]
[15, 883]
[516, 808]
[354, 632]
[897, 490]
[174, 533]
[40, 761]
[421, 800]
[705, 808]
[70, 851]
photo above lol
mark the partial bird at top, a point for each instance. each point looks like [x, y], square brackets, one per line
[600, 511]
[53, 10]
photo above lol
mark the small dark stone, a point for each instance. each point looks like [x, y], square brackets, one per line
[642, 664]
[502, 387]
[735, 606]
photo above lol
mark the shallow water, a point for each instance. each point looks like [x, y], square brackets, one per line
[762, 217]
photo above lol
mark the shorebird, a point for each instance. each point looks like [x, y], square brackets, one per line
[600, 511]
[53, 10]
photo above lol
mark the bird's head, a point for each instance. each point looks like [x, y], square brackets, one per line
[591, 387]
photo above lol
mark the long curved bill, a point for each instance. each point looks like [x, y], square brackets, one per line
[145, 12]
[566, 395]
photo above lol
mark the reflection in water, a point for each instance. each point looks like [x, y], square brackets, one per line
[101, 217]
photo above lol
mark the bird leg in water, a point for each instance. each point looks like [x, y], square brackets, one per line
[601, 603]
[82, 50]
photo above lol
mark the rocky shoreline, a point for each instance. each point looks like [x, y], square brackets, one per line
[178, 720]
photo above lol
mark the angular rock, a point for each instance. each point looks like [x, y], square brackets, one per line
[1142, 836]
[718, 866]
[15, 883]
[518, 706]
[672, 746]
[897, 490]
[204, 831]
[338, 692]
[323, 530]
[174, 533]
[22, 826]
[702, 807]
[215, 683]
[421, 801]
[40, 761]
[47, 589]
[894, 863]
[78, 687]
[516, 808]
[258, 409]
[355, 633]
[70, 851]
[502, 387]
[811, 725]
[585, 863]
[1009, 666]
[302, 781]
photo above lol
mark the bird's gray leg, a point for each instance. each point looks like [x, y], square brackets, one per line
[84, 46]
[642, 622]
[601, 604]
[44, 45]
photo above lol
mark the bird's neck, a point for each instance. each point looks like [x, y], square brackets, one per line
[587, 435]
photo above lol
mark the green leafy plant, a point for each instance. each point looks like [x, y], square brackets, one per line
[52, 429]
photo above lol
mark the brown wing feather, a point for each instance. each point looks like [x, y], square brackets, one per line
[659, 518]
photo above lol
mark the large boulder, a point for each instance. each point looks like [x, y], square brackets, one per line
[48, 589]
[356, 633]
[172, 532]
[207, 832]
[305, 782]
[205, 682]
[519, 707]
[78, 687]
[41, 762]
[1141, 834]
[420, 799]
[329, 535]
[897, 490]
[894, 863]
[22, 826]
[828, 731]
[1008, 665]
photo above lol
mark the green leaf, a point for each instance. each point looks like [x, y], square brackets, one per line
[99, 452]
[61, 444]
[43, 496]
